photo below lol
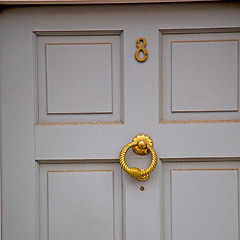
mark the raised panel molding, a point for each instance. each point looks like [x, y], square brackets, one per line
[201, 200]
[78, 78]
[200, 90]
[90, 206]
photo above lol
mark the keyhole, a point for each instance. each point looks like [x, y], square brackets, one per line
[142, 188]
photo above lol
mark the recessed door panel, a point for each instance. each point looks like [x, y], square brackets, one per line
[80, 201]
[201, 200]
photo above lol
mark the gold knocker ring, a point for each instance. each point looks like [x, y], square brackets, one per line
[141, 144]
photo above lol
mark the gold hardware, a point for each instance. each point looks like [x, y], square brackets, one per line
[142, 144]
[142, 188]
[142, 49]
[143, 140]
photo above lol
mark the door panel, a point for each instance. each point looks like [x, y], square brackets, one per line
[205, 90]
[80, 199]
[73, 95]
[201, 198]
[91, 62]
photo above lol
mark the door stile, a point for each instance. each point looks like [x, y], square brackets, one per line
[17, 125]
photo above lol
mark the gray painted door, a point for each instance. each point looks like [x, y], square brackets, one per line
[73, 95]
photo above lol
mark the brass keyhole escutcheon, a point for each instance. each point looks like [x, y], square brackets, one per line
[142, 144]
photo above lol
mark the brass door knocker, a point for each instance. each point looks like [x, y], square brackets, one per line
[141, 144]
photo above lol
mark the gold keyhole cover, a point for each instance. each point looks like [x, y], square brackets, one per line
[141, 144]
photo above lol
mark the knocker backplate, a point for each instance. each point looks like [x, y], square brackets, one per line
[142, 140]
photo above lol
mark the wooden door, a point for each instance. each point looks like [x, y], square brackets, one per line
[73, 95]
